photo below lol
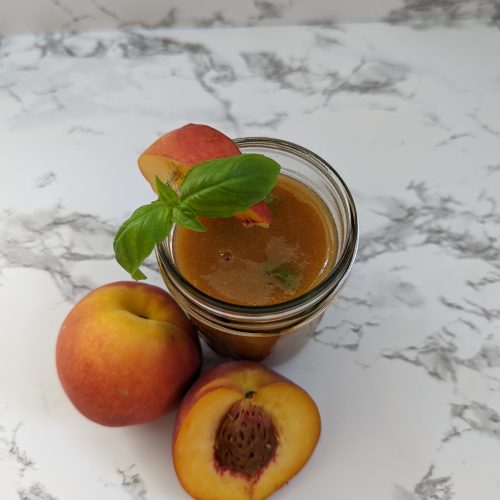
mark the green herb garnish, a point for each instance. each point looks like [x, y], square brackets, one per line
[215, 188]
[272, 201]
[285, 273]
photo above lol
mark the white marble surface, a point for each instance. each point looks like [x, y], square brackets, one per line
[406, 365]
[40, 16]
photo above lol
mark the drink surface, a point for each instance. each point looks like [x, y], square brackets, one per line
[257, 266]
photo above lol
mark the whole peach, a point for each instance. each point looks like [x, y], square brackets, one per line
[126, 353]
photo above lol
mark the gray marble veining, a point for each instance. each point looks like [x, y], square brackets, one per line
[430, 12]
[73, 15]
[405, 365]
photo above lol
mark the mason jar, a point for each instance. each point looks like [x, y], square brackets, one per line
[273, 332]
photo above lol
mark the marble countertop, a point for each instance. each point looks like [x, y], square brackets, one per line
[405, 366]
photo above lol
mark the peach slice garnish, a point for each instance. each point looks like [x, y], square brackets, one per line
[172, 155]
[242, 432]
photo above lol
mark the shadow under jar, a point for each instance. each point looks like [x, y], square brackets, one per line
[277, 330]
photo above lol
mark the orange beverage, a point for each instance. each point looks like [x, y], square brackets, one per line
[255, 266]
[258, 293]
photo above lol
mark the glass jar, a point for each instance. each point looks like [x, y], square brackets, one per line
[273, 332]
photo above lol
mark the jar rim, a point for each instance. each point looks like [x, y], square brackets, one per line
[335, 277]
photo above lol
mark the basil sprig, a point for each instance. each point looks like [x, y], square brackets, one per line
[215, 188]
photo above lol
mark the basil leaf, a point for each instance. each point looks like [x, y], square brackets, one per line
[216, 188]
[285, 273]
[166, 193]
[186, 217]
[219, 188]
[272, 201]
[138, 235]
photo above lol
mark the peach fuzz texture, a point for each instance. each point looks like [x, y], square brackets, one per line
[193, 144]
[126, 353]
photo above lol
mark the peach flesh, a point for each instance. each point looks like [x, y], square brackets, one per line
[203, 430]
[172, 155]
[193, 144]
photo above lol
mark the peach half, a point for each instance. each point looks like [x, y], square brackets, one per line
[172, 155]
[242, 432]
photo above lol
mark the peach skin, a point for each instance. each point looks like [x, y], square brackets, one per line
[126, 354]
[242, 432]
[172, 155]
